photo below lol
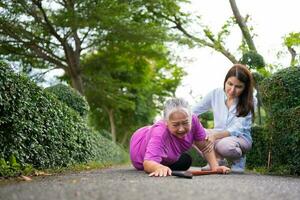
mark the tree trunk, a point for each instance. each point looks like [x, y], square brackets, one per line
[112, 124]
[124, 139]
[76, 79]
[293, 55]
[73, 61]
[258, 106]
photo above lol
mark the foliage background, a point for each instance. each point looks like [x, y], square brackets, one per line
[39, 130]
[281, 98]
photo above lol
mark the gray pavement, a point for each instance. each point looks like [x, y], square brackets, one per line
[125, 183]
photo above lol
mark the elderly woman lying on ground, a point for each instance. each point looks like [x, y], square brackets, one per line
[160, 148]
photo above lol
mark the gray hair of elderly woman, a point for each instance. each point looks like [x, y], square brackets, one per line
[176, 104]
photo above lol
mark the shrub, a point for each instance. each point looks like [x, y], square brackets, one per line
[253, 60]
[281, 98]
[70, 97]
[282, 90]
[105, 134]
[258, 155]
[197, 159]
[41, 131]
[284, 126]
[12, 168]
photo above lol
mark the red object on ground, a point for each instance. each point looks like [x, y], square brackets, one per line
[190, 173]
[199, 172]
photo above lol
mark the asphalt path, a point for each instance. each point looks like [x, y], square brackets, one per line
[125, 183]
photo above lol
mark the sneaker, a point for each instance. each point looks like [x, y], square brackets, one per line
[238, 166]
[222, 162]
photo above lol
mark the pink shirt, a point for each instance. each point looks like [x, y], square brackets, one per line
[156, 143]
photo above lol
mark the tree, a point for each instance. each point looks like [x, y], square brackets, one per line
[53, 34]
[217, 42]
[181, 22]
[126, 86]
[292, 42]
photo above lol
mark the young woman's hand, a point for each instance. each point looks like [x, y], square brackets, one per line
[162, 171]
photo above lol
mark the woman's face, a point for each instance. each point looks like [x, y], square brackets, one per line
[234, 87]
[179, 124]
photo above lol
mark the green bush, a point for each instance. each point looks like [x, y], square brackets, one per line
[281, 91]
[285, 150]
[70, 97]
[12, 168]
[105, 134]
[197, 159]
[281, 98]
[253, 60]
[207, 119]
[258, 156]
[42, 131]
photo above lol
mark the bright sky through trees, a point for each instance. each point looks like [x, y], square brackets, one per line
[271, 20]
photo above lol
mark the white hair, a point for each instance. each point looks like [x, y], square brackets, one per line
[176, 104]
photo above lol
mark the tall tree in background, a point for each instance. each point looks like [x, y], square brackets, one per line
[206, 38]
[216, 41]
[126, 85]
[53, 34]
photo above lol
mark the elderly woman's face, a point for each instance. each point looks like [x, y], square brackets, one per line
[179, 124]
[234, 87]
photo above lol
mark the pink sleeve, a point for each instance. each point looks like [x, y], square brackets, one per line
[198, 130]
[155, 147]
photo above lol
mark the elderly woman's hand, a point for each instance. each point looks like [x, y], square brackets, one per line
[162, 171]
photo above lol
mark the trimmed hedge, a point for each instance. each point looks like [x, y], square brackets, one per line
[70, 97]
[284, 126]
[281, 91]
[281, 98]
[258, 156]
[39, 130]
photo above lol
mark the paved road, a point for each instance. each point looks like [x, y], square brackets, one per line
[125, 183]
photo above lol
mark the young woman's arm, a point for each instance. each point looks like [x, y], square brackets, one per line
[215, 135]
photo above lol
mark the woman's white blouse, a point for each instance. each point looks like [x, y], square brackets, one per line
[224, 118]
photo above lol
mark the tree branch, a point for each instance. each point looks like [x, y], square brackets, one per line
[41, 74]
[214, 45]
[243, 26]
[48, 24]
